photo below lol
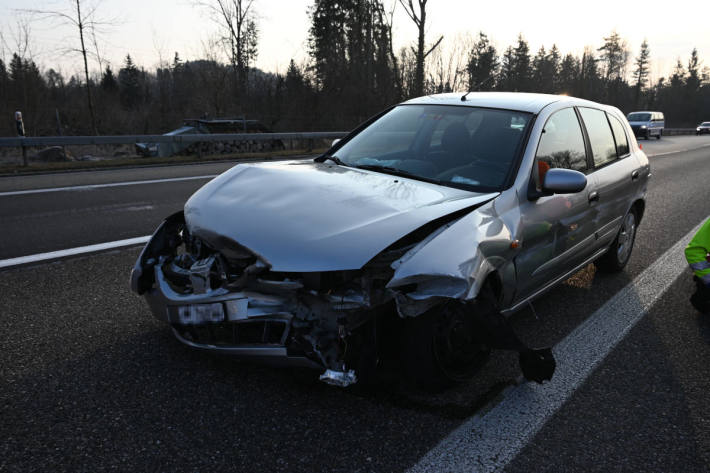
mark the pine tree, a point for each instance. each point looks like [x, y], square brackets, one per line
[482, 64]
[506, 77]
[521, 66]
[614, 56]
[641, 71]
[678, 77]
[4, 79]
[349, 42]
[568, 75]
[590, 86]
[129, 84]
[692, 81]
[543, 83]
[553, 64]
[108, 80]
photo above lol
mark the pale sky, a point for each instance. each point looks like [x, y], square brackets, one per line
[151, 29]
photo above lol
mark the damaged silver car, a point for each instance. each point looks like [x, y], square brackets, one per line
[417, 234]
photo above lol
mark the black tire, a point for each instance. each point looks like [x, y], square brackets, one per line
[439, 348]
[619, 253]
[658, 136]
[647, 135]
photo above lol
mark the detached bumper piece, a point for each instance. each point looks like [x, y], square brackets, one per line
[537, 364]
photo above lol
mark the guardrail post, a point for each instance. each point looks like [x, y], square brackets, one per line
[20, 125]
[24, 154]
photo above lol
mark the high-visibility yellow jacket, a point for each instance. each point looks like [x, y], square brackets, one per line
[697, 253]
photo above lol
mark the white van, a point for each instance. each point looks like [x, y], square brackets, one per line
[646, 124]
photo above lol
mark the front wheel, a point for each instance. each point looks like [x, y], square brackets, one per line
[658, 136]
[619, 253]
[440, 348]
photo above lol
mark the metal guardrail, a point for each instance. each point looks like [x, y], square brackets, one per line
[679, 131]
[28, 141]
[16, 142]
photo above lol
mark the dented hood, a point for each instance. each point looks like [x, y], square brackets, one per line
[306, 216]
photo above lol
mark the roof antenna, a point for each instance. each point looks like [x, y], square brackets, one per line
[481, 84]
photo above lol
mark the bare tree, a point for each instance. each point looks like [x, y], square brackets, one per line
[21, 35]
[419, 19]
[236, 19]
[389, 21]
[95, 43]
[80, 15]
[448, 63]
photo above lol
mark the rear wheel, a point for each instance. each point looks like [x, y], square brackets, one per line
[615, 259]
[658, 136]
[440, 347]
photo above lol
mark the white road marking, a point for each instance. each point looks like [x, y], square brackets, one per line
[6, 263]
[677, 151]
[110, 184]
[137, 208]
[487, 442]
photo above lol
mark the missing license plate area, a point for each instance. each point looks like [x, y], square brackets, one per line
[201, 313]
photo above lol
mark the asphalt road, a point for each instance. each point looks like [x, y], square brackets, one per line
[89, 381]
[39, 222]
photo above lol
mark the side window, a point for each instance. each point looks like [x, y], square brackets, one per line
[622, 142]
[561, 144]
[600, 137]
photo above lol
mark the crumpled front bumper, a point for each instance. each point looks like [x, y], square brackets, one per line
[243, 324]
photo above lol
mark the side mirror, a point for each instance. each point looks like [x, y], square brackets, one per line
[335, 142]
[564, 181]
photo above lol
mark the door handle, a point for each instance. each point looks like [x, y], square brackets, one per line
[635, 175]
[593, 196]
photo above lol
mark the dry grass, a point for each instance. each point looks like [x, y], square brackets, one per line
[583, 278]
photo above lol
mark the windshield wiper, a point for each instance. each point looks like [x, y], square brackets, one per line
[398, 172]
[335, 159]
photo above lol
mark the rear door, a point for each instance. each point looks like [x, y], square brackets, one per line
[615, 174]
[557, 230]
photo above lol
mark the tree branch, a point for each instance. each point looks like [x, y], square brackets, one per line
[434, 47]
[409, 10]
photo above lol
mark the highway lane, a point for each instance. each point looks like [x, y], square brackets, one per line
[71, 213]
[78, 216]
[88, 177]
[37, 223]
[94, 383]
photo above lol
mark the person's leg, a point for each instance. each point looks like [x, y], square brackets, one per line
[701, 298]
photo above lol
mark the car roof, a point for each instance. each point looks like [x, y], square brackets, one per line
[522, 101]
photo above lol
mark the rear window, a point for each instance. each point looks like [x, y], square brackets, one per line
[600, 137]
[705, 124]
